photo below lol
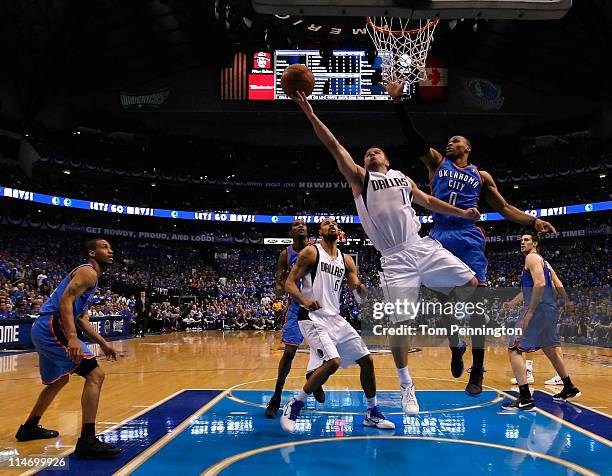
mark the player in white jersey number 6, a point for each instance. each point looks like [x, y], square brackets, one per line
[333, 342]
[384, 198]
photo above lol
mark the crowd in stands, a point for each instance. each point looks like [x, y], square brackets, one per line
[578, 263]
[587, 323]
[232, 288]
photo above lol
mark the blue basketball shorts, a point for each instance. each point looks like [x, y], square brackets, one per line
[467, 244]
[291, 330]
[541, 331]
[51, 345]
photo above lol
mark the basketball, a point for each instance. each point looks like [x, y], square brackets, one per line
[297, 77]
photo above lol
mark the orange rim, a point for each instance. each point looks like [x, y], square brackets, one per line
[401, 32]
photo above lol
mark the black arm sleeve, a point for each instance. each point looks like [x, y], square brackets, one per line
[416, 144]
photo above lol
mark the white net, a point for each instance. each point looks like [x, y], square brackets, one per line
[403, 45]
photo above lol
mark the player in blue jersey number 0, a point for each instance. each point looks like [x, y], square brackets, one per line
[455, 180]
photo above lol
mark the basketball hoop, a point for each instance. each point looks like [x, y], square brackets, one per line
[402, 46]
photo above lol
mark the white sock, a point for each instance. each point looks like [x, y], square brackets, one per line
[301, 395]
[404, 377]
[371, 402]
[529, 365]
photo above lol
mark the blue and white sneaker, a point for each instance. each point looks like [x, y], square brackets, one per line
[291, 411]
[375, 418]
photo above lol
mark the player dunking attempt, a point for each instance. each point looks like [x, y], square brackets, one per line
[333, 342]
[292, 337]
[540, 288]
[453, 179]
[384, 198]
[61, 352]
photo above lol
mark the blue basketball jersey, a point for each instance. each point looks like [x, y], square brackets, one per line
[291, 329]
[458, 186]
[51, 306]
[292, 257]
[549, 295]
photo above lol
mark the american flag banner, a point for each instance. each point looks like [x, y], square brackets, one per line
[234, 78]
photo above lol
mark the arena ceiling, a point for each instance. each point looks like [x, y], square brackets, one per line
[52, 48]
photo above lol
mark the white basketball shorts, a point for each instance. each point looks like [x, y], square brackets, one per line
[330, 338]
[425, 262]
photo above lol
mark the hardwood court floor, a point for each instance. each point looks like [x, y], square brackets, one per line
[156, 367]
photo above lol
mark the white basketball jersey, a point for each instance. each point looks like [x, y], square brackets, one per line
[385, 209]
[323, 283]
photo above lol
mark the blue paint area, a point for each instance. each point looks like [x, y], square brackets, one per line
[391, 457]
[579, 416]
[231, 428]
[137, 435]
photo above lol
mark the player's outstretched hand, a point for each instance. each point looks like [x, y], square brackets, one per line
[312, 305]
[542, 226]
[109, 352]
[394, 88]
[472, 214]
[300, 99]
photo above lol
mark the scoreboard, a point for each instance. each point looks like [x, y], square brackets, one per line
[341, 75]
